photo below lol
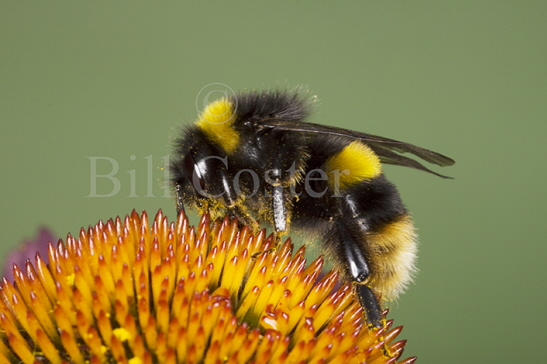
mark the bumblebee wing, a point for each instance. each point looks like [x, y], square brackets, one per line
[385, 148]
[389, 157]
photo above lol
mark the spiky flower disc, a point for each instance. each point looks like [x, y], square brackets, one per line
[125, 292]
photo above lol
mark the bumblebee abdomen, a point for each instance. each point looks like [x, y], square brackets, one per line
[392, 249]
[358, 207]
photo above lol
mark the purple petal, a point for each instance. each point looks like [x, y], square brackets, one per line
[28, 250]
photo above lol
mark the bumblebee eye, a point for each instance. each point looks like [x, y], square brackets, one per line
[192, 172]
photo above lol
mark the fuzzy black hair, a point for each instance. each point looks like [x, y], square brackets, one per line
[290, 104]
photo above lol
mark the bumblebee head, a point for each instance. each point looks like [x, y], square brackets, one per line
[199, 173]
[232, 134]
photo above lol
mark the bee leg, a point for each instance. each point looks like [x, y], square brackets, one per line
[279, 217]
[358, 270]
[234, 204]
[280, 212]
[180, 204]
[243, 217]
[368, 300]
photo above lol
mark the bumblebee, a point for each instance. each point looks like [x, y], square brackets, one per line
[253, 156]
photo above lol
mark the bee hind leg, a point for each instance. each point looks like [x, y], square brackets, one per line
[368, 301]
[357, 268]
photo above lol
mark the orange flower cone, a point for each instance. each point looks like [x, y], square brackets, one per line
[127, 292]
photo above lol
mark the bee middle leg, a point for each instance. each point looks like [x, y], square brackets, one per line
[279, 195]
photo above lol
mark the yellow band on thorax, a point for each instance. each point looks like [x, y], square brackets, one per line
[216, 121]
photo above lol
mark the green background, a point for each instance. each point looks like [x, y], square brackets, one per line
[465, 78]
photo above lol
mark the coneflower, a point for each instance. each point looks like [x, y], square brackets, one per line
[127, 292]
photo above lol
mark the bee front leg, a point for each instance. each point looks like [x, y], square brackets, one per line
[243, 217]
[179, 203]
